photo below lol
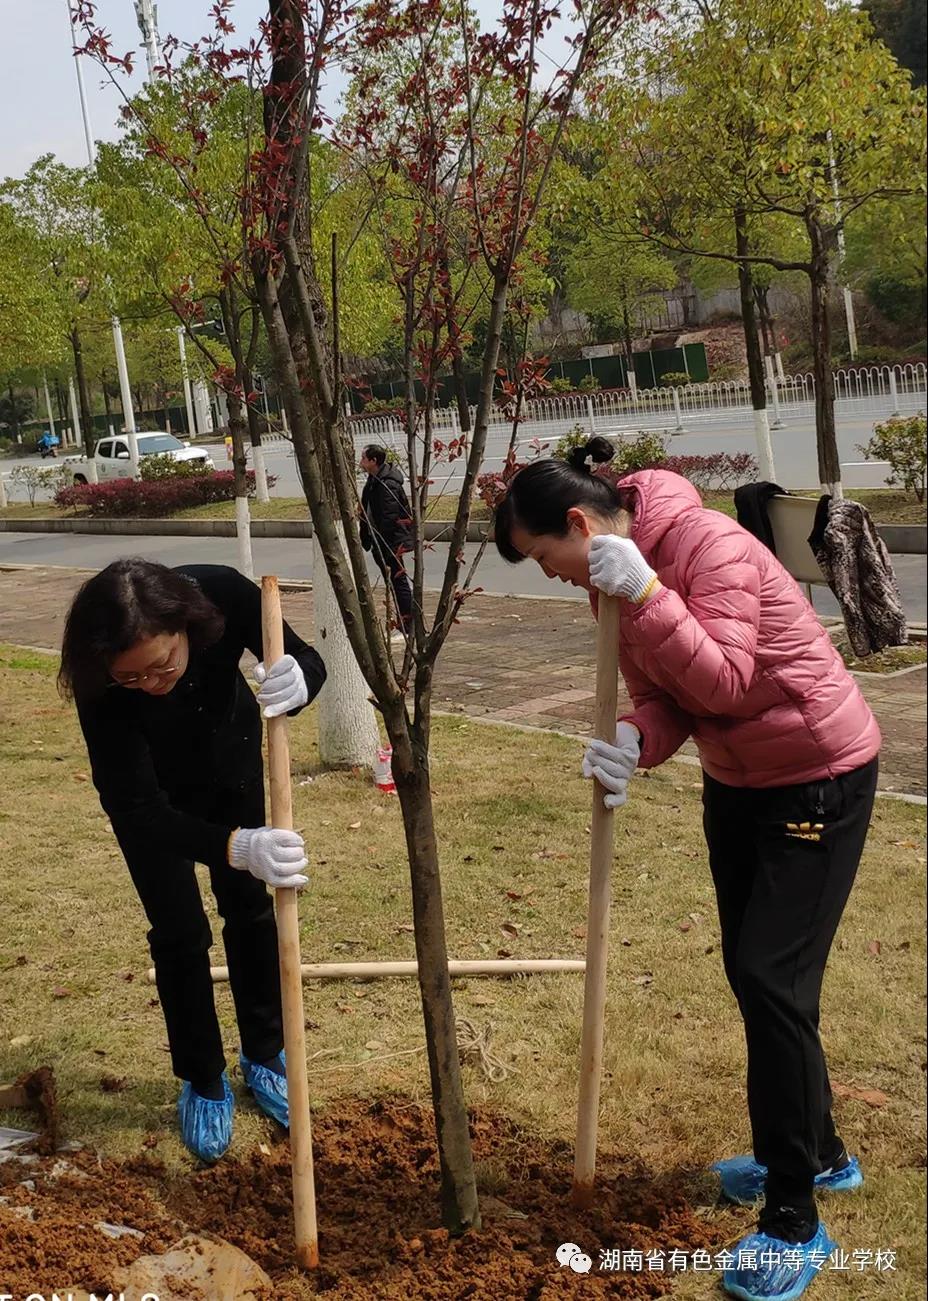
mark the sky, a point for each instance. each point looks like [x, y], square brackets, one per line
[39, 105]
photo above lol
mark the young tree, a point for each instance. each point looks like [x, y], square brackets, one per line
[474, 184]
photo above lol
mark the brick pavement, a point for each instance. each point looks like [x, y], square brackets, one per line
[510, 659]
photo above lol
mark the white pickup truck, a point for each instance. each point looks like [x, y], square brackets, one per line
[112, 461]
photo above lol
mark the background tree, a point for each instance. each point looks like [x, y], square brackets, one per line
[771, 104]
[614, 281]
[901, 26]
[58, 272]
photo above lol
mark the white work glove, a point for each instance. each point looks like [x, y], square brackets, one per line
[271, 854]
[613, 765]
[618, 568]
[283, 687]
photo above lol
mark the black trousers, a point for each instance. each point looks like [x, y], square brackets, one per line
[180, 938]
[783, 861]
[390, 564]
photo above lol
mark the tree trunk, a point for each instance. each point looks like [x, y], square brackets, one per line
[460, 393]
[767, 325]
[348, 735]
[765, 466]
[627, 338]
[14, 418]
[83, 393]
[254, 433]
[460, 1209]
[62, 404]
[107, 404]
[829, 467]
[242, 512]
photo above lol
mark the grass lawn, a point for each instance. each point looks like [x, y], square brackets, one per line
[513, 826]
[890, 660]
[886, 505]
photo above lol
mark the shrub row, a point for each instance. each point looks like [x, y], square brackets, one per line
[720, 471]
[137, 498]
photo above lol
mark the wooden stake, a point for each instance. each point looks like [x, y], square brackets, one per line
[288, 936]
[597, 928]
[380, 970]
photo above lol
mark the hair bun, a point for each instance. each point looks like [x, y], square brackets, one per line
[597, 451]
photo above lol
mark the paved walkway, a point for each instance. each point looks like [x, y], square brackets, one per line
[510, 659]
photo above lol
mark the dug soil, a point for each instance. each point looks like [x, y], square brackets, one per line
[377, 1196]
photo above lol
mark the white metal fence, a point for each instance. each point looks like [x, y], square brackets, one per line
[878, 391]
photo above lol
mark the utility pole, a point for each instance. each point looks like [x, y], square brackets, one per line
[125, 390]
[848, 299]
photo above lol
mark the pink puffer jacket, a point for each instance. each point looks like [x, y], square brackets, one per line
[731, 653]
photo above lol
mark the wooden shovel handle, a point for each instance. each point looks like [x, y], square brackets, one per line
[597, 928]
[288, 939]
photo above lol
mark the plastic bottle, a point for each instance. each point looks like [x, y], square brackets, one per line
[383, 771]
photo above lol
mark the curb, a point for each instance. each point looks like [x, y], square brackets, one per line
[437, 531]
[900, 539]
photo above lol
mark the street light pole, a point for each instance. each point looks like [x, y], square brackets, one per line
[188, 397]
[125, 392]
[147, 15]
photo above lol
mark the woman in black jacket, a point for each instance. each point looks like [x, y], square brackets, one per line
[151, 657]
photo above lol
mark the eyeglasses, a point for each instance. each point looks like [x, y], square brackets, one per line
[139, 678]
[136, 679]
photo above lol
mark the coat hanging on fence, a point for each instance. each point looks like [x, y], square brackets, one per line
[856, 564]
[751, 501]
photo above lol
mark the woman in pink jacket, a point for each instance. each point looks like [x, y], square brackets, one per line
[718, 644]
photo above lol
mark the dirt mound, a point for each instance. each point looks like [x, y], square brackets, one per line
[725, 348]
[379, 1229]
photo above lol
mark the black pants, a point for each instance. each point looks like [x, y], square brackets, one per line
[180, 937]
[783, 861]
[390, 564]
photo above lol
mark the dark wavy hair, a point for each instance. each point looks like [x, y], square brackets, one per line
[127, 601]
[542, 493]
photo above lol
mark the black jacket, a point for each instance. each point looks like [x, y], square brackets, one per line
[386, 521]
[160, 762]
[751, 501]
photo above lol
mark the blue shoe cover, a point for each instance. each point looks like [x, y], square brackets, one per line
[768, 1269]
[206, 1125]
[269, 1089]
[744, 1179]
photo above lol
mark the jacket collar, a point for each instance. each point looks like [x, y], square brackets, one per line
[661, 499]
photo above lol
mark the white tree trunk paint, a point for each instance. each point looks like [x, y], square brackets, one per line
[765, 468]
[261, 489]
[348, 736]
[243, 537]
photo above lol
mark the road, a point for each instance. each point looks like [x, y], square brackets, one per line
[706, 432]
[292, 558]
[794, 451]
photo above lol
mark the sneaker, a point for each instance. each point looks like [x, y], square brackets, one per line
[780, 1260]
[744, 1179]
[268, 1088]
[205, 1124]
